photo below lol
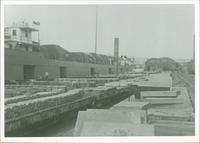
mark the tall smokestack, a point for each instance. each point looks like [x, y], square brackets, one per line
[96, 30]
[116, 54]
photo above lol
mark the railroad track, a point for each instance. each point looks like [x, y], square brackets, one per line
[189, 85]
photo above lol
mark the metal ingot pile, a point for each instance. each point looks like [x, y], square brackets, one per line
[25, 107]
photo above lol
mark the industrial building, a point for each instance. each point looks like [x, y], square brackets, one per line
[27, 59]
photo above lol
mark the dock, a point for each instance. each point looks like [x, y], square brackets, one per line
[136, 106]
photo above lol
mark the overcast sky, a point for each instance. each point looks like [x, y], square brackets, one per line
[143, 30]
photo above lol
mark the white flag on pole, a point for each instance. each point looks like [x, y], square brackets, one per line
[36, 22]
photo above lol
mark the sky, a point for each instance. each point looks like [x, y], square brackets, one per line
[143, 30]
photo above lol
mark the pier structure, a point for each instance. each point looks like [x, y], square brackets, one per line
[156, 113]
[50, 102]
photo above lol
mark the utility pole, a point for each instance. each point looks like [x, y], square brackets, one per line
[96, 28]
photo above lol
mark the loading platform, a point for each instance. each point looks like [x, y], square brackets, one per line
[57, 100]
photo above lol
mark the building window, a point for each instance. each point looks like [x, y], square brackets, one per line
[10, 46]
[26, 34]
[92, 71]
[26, 47]
[14, 32]
[109, 70]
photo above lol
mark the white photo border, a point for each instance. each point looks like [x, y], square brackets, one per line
[102, 139]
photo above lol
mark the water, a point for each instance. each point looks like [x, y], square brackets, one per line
[61, 127]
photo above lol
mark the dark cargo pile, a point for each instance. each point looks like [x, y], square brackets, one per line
[58, 53]
[30, 106]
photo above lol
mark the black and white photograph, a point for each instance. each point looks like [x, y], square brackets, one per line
[105, 70]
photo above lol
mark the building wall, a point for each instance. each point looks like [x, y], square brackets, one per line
[20, 34]
[9, 32]
[16, 59]
[10, 44]
[14, 72]
[27, 39]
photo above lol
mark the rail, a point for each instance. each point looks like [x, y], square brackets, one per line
[189, 86]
